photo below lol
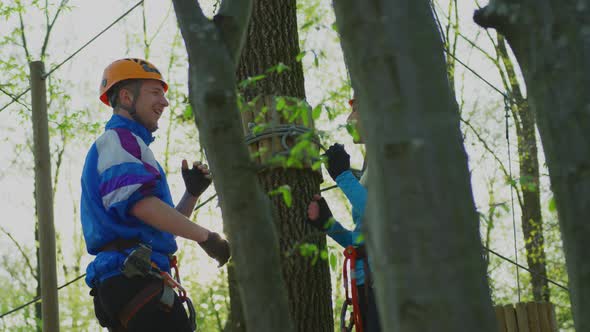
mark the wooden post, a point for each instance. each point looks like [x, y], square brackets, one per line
[510, 316]
[44, 199]
[526, 317]
[522, 317]
[543, 308]
[533, 316]
[501, 318]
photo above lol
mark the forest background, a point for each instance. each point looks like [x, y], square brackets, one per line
[29, 32]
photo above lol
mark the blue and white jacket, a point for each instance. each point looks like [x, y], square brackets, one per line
[357, 195]
[120, 170]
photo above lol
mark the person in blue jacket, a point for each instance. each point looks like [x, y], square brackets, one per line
[126, 204]
[320, 216]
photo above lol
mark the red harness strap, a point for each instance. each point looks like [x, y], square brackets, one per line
[351, 256]
[175, 283]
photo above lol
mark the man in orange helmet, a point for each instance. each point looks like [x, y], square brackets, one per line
[128, 217]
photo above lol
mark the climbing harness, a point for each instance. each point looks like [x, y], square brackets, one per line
[139, 264]
[351, 255]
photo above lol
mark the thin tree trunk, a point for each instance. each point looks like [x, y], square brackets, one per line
[549, 39]
[272, 39]
[38, 313]
[531, 218]
[422, 228]
[213, 48]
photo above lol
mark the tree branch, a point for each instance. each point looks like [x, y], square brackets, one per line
[498, 14]
[25, 256]
[190, 15]
[22, 32]
[232, 22]
[495, 156]
[50, 26]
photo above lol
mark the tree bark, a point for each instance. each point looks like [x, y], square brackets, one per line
[531, 217]
[550, 41]
[213, 48]
[272, 39]
[422, 227]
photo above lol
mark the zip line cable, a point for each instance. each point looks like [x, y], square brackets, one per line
[39, 297]
[525, 268]
[94, 38]
[15, 99]
[44, 76]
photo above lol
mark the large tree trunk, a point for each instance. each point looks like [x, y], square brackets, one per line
[213, 49]
[422, 228]
[272, 39]
[531, 218]
[550, 41]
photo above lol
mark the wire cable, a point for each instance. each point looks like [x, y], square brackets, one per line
[44, 76]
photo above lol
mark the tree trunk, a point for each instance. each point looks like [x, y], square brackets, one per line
[422, 227]
[235, 321]
[38, 313]
[213, 48]
[550, 41]
[531, 218]
[272, 39]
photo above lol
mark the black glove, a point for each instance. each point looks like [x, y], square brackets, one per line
[338, 160]
[217, 248]
[195, 179]
[324, 219]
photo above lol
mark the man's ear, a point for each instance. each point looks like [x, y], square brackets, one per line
[125, 96]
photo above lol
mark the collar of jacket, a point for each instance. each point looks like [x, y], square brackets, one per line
[118, 121]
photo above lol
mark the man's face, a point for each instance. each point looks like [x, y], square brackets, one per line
[355, 121]
[150, 104]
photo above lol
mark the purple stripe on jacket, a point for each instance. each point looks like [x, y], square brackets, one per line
[152, 170]
[124, 180]
[129, 142]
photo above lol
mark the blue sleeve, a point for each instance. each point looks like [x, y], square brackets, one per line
[340, 234]
[355, 192]
[343, 236]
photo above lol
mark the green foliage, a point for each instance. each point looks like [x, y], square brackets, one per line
[250, 81]
[527, 183]
[312, 251]
[552, 205]
[285, 192]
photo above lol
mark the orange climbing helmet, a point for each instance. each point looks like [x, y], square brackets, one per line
[125, 69]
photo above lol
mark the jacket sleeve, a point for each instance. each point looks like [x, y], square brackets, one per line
[356, 194]
[341, 235]
[127, 171]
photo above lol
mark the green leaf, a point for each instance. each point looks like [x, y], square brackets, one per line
[300, 56]
[350, 128]
[333, 261]
[281, 67]
[285, 191]
[552, 205]
[315, 113]
[281, 103]
[359, 239]
[334, 27]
